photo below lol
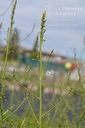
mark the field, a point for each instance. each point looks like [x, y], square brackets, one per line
[62, 99]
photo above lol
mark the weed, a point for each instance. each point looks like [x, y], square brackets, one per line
[66, 109]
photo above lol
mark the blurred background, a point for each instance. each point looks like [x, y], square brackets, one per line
[65, 34]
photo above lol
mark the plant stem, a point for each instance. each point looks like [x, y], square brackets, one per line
[5, 64]
[43, 20]
[40, 82]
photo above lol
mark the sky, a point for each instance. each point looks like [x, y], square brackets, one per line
[65, 26]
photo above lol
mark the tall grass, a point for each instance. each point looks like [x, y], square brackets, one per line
[55, 113]
[43, 20]
[5, 61]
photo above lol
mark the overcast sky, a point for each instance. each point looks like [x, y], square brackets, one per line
[65, 23]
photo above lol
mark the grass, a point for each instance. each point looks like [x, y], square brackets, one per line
[5, 62]
[43, 20]
[18, 98]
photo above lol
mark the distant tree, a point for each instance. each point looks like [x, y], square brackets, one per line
[34, 53]
[14, 44]
[35, 47]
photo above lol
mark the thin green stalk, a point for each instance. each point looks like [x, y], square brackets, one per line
[5, 62]
[43, 20]
[33, 111]
[40, 82]
[71, 109]
[26, 88]
[21, 126]
[56, 105]
[17, 108]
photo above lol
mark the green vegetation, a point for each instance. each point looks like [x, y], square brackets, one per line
[31, 99]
